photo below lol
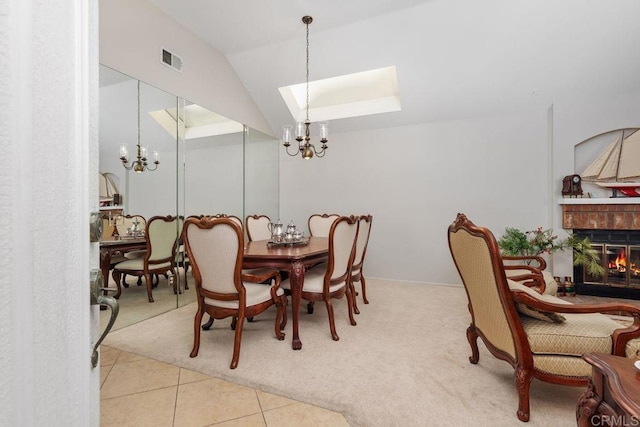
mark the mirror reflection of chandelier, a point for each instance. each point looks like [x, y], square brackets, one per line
[302, 128]
[140, 163]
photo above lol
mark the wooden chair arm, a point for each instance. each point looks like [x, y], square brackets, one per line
[620, 336]
[263, 276]
[542, 264]
[533, 280]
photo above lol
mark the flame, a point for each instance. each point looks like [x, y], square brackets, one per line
[620, 263]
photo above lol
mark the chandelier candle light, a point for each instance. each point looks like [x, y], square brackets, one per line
[140, 164]
[302, 128]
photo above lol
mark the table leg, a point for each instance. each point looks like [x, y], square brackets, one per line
[296, 277]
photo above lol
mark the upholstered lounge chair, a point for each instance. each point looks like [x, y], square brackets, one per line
[536, 348]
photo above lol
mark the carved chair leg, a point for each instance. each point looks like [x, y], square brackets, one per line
[310, 307]
[196, 335]
[124, 281]
[363, 283]
[281, 311]
[332, 322]
[351, 302]
[116, 278]
[147, 277]
[234, 321]
[285, 302]
[207, 325]
[523, 383]
[351, 295]
[236, 343]
[472, 337]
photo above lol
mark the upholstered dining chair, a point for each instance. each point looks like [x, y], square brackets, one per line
[320, 224]
[541, 336]
[331, 279]
[257, 227]
[364, 229]
[215, 247]
[161, 234]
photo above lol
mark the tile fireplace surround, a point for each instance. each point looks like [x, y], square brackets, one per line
[613, 225]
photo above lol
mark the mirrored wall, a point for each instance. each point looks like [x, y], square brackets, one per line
[209, 165]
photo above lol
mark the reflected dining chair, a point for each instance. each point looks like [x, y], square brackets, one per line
[215, 247]
[364, 229]
[320, 224]
[257, 227]
[331, 279]
[161, 234]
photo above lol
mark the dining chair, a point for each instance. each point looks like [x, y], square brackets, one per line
[215, 247]
[320, 224]
[331, 279]
[161, 234]
[257, 227]
[364, 229]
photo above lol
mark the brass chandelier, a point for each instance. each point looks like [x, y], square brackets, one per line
[140, 163]
[302, 128]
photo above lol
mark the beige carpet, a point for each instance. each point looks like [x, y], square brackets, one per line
[405, 363]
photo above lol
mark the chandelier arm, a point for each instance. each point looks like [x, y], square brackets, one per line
[320, 153]
[294, 154]
[149, 168]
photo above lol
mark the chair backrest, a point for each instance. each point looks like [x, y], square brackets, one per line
[342, 242]
[125, 222]
[215, 248]
[364, 229]
[162, 234]
[257, 227]
[319, 225]
[477, 257]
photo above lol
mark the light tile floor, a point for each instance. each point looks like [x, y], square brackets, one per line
[137, 391]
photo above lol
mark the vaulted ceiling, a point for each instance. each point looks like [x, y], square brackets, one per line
[455, 59]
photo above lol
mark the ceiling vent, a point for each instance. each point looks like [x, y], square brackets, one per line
[171, 60]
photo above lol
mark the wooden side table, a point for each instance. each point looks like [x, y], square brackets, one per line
[613, 394]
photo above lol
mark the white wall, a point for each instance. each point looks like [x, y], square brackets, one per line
[415, 179]
[132, 34]
[48, 139]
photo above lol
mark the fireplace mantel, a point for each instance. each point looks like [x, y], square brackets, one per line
[619, 213]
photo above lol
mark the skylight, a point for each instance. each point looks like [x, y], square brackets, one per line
[351, 95]
[200, 122]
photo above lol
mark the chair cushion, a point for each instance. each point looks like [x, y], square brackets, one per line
[314, 281]
[536, 313]
[257, 293]
[138, 264]
[135, 254]
[581, 333]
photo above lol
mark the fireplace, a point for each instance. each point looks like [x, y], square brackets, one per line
[613, 229]
[619, 252]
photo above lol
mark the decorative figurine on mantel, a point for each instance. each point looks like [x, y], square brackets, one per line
[572, 186]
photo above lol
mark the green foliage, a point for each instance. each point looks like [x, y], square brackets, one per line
[539, 241]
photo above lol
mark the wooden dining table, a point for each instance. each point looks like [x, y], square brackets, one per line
[117, 244]
[295, 259]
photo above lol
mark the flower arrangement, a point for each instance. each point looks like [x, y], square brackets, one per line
[540, 241]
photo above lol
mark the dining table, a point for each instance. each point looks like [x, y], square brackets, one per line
[117, 244]
[293, 258]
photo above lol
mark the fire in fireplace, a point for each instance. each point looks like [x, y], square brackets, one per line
[620, 255]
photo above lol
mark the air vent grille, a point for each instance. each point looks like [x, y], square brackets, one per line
[171, 60]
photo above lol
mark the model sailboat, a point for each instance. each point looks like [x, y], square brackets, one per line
[618, 167]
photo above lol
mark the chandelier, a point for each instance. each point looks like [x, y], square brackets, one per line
[140, 164]
[302, 128]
